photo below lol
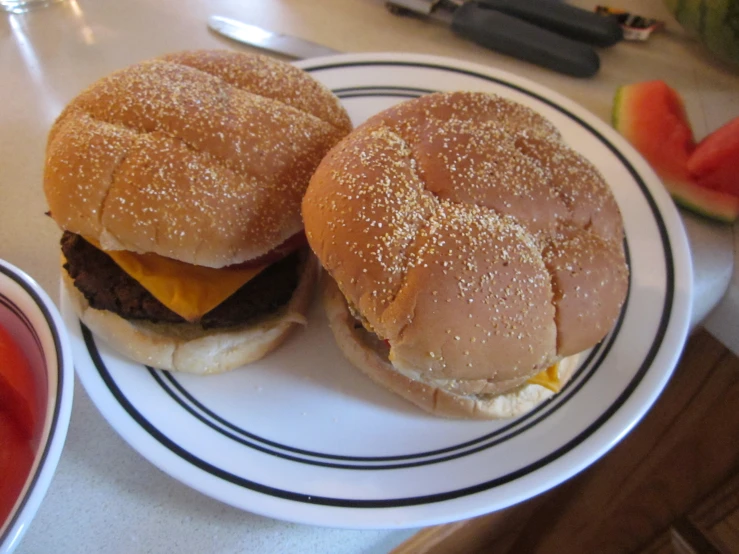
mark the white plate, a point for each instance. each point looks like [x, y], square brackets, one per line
[305, 437]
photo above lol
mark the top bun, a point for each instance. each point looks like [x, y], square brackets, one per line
[462, 229]
[199, 156]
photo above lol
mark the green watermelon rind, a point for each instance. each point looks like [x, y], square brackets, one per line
[617, 119]
[708, 203]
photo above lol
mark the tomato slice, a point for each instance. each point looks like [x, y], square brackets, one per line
[17, 387]
[16, 459]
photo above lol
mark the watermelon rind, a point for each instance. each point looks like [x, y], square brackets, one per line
[617, 109]
[708, 203]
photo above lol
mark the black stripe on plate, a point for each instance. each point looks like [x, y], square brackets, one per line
[17, 312]
[389, 90]
[60, 380]
[395, 92]
[190, 404]
[375, 465]
[280, 493]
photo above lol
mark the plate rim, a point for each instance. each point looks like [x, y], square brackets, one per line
[673, 239]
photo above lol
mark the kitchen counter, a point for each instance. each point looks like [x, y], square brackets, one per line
[105, 497]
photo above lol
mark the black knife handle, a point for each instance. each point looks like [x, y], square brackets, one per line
[561, 18]
[515, 37]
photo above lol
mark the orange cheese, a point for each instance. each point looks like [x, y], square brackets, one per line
[548, 378]
[188, 290]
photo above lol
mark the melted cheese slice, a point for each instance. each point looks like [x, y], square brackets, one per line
[548, 378]
[188, 290]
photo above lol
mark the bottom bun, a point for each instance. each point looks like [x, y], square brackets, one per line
[189, 348]
[364, 350]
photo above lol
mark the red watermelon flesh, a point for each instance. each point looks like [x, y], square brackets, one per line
[652, 117]
[715, 162]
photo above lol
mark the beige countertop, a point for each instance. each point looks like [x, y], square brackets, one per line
[105, 496]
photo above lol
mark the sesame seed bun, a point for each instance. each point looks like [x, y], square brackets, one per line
[200, 156]
[462, 230]
[189, 348]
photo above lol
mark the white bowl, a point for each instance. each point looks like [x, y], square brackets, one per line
[33, 320]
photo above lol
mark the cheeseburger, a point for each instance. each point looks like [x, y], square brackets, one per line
[177, 183]
[471, 253]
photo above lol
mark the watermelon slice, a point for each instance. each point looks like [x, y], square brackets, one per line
[715, 162]
[652, 117]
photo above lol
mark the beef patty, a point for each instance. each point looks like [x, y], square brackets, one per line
[107, 287]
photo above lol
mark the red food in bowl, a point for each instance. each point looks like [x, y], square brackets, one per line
[19, 421]
[16, 459]
[18, 396]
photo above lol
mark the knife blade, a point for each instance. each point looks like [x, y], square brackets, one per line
[252, 35]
